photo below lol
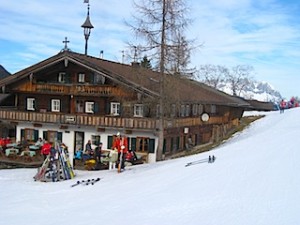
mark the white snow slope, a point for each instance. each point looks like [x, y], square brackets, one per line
[254, 181]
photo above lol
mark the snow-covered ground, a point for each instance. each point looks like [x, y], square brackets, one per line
[254, 181]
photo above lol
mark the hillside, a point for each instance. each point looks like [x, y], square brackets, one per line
[254, 180]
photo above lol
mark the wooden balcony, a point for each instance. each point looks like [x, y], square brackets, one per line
[74, 89]
[102, 121]
[79, 120]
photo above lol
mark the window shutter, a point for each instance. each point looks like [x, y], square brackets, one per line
[109, 142]
[121, 110]
[151, 145]
[59, 136]
[45, 135]
[133, 144]
[96, 107]
[22, 133]
[107, 108]
[35, 135]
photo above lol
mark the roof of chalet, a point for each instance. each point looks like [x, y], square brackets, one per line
[3, 72]
[137, 78]
[261, 106]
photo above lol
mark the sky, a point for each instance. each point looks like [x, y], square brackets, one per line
[263, 34]
[254, 180]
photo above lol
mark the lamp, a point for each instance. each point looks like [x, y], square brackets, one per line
[87, 26]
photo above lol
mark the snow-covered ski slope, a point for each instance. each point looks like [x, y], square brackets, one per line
[254, 181]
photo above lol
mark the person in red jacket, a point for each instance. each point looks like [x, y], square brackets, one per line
[46, 149]
[282, 106]
[121, 145]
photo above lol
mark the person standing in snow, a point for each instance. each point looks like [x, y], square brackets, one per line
[98, 151]
[282, 106]
[120, 144]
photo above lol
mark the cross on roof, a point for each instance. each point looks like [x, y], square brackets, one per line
[66, 43]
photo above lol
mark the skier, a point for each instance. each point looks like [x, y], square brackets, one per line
[209, 159]
[282, 106]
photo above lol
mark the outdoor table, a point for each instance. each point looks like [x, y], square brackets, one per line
[11, 151]
[34, 147]
[31, 153]
[13, 145]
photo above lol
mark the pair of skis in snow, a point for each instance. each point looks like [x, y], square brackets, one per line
[43, 169]
[86, 182]
[209, 160]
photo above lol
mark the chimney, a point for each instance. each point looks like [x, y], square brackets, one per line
[135, 64]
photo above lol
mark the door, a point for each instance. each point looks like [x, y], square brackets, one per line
[79, 138]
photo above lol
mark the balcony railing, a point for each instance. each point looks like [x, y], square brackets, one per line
[102, 121]
[76, 89]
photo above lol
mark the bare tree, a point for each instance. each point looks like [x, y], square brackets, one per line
[213, 75]
[239, 78]
[161, 23]
[179, 57]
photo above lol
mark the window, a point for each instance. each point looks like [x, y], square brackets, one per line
[142, 144]
[195, 109]
[89, 107]
[187, 110]
[79, 106]
[52, 136]
[115, 108]
[95, 139]
[81, 77]
[55, 105]
[29, 134]
[200, 109]
[182, 110]
[30, 104]
[138, 110]
[213, 108]
[173, 110]
[99, 79]
[62, 77]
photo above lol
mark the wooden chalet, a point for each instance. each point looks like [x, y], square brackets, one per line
[74, 98]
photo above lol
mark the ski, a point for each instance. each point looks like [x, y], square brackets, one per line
[210, 159]
[196, 162]
[42, 170]
[86, 182]
[77, 183]
[93, 181]
[66, 166]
